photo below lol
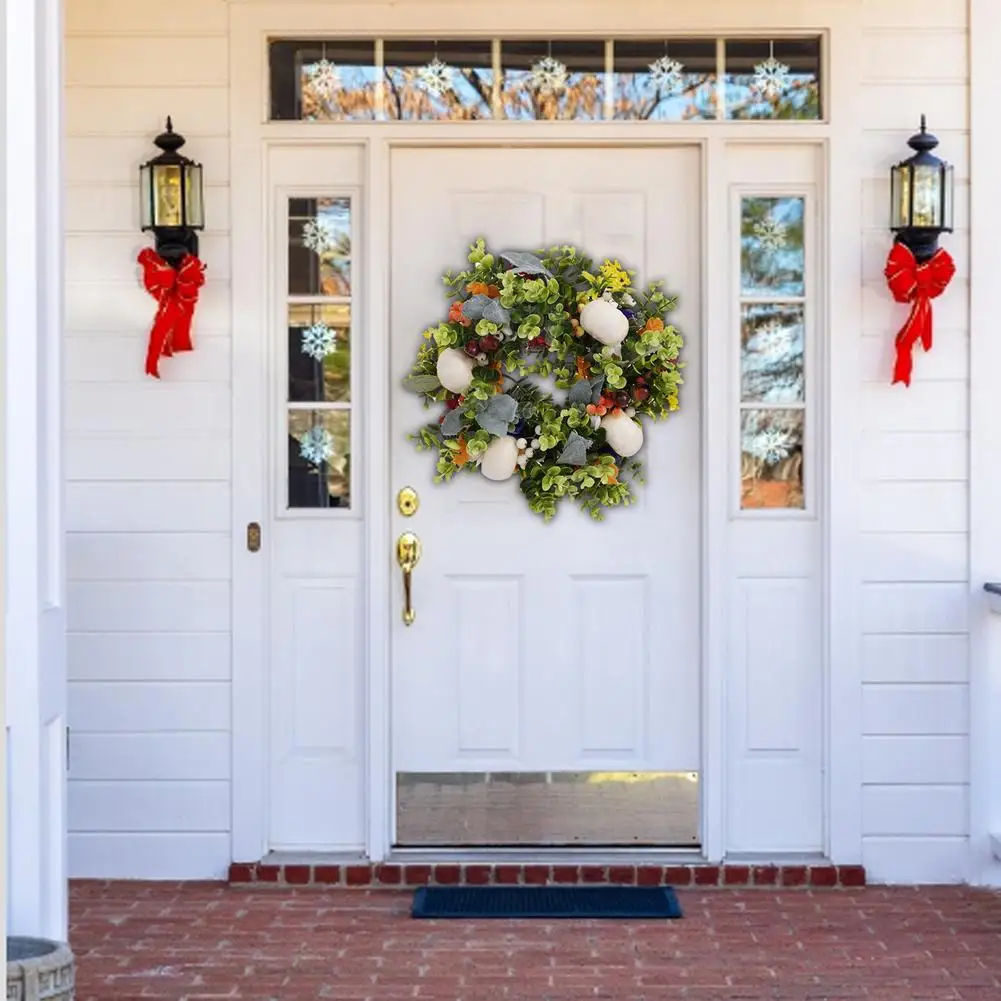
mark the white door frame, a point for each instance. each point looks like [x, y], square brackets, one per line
[252, 22]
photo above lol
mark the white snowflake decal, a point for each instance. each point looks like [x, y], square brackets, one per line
[319, 235]
[665, 74]
[325, 78]
[318, 341]
[771, 78]
[771, 233]
[436, 76]
[548, 76]
[316, 446]
[774, 340]
[771, 445]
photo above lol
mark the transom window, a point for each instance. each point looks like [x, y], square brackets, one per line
[661, 80]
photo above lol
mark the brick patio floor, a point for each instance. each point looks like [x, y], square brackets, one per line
[200, 941]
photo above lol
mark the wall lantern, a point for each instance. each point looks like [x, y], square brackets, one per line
[921, 197]
[918, 270]
[173, 207]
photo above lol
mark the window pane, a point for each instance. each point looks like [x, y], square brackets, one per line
[319, 353]
[771, 466]
[319, 458]
[451, 80]
[558, 80]
[771, 353]
[672, 81]
[772, 257]
[322, 80]
[779, 79]
[319, 246]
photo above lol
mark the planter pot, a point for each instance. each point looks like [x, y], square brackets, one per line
[38, 970]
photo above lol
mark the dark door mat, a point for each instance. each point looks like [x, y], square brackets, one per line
[545, 902]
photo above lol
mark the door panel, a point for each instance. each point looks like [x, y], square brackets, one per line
[573, 648]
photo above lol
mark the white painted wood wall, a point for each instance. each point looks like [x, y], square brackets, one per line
[148, 464]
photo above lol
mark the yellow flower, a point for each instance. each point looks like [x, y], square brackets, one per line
[615, 275]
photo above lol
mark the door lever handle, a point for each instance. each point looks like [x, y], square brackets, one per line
[408, 555]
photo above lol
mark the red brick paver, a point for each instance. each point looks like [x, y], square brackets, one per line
[194, 942]
[450, 874]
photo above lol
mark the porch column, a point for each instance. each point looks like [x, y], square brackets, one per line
[985, 448]
[32, 433]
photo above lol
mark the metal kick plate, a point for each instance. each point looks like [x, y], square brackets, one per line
[552, 809]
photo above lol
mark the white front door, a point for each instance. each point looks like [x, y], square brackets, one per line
[562, 651]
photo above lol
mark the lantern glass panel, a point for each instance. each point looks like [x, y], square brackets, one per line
[145, 197]
[900, 197]
[194, 202]
[927, 197]
[948, 198]
[168, 201]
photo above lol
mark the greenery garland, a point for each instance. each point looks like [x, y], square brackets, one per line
[554, 316]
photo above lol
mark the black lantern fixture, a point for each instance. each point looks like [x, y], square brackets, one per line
[921, 197]
[173, 207]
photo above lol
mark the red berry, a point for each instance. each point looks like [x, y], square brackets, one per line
[640, 381]
[472, 348]
[452, 402]
[622, 399]
[640, 394]
[489, 343]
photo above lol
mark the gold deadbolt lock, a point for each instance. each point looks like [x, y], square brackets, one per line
[407, 502]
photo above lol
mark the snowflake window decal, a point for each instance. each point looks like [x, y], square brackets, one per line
[665, 74]
[319, 235]
[548, 76]
[324, 77]
[318, 341]
[771, 77]
[771, 234]
[316, 446]
[771, 445]
[435, 76]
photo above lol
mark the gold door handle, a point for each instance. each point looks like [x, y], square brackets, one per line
[408, 555]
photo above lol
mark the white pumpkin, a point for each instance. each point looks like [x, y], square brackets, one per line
[604, 321]
[623, 434]
[500, 459]
[455, 370]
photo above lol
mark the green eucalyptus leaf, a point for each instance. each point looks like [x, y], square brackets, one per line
[575, 451]
[497, 414]
[474, 308]
[580, 392]
[496, 313]
[519, 260]
[452, 424]
[422, 383]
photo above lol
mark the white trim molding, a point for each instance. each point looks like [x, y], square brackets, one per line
[985, 447]
[33, 561]
[251, 22]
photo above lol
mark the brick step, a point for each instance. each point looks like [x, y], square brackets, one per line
[264, 874]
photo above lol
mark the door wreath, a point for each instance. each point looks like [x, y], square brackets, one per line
[552, 316]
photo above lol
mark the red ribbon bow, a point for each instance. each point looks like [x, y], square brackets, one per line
[917, 284]
[176, 290]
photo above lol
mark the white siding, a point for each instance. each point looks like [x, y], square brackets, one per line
[148, 464]
[915, 555]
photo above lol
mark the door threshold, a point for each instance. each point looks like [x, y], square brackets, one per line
[546, 856]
